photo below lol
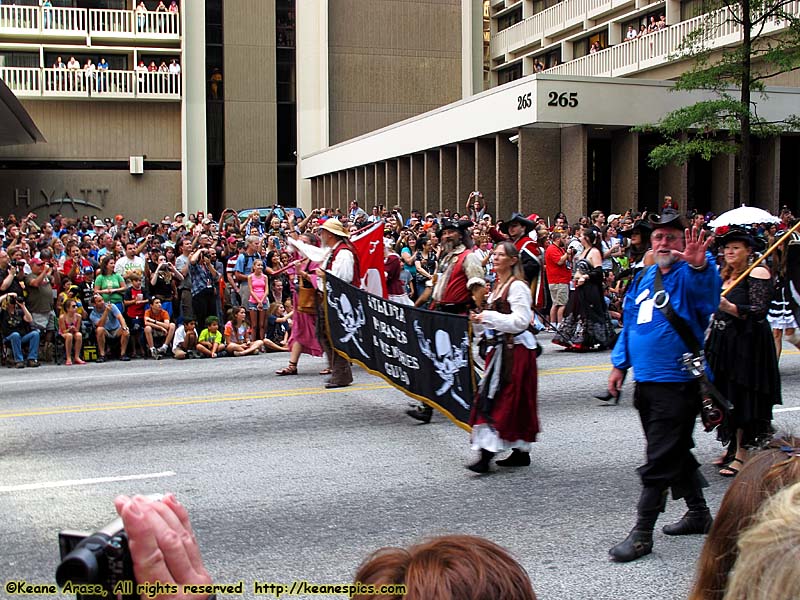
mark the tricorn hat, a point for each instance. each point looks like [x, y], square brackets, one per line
[461, 224]
[335, 227]
[669, 218]
[516, 217]
[142, 226]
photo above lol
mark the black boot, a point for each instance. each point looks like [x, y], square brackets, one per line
[422, 413]
[517, 458]
[640, 540]
[637, 544]
[697, 519]
[482, 466]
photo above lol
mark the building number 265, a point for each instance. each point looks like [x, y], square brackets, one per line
[524, 101]
[563, 99]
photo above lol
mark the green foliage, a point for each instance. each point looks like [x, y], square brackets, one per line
[712, 127]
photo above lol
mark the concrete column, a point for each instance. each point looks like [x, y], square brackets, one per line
[336, 182]
[432, 186]
[723, 182]
[350, 192]
[574, 164]
[341, 188]
[615, 34]
[673, 12]
[417, 183]
[624, 171]
[327, 189]
[369, 187]
[465, 174]
[506, 178]
[539, 155]
[359, 195]
[194, 167]
[673, 180]
[471, 48]
[768, 174]
[404, 185]
[392, 178]
[447, 177]
[314, 187]
[380, 185]
[485, 173]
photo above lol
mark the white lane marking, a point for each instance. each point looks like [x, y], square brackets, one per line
[89, 377]
[71, 482]
[788, 409]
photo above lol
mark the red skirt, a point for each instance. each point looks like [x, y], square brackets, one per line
[514, 414]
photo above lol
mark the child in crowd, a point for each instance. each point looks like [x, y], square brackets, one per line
[158, 326]
[134, 300]
[238, 334]
[277, 338]
[185, 341]
[210, 343]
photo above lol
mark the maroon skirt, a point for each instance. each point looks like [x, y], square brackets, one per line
[514, 414]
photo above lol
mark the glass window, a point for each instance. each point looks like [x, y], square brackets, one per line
[19, 59]
[583, 46]
[540, 5]
[509, 19]
[509, 74]
[552, 59]
[693, 8]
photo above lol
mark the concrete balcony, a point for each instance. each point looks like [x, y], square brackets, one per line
[655, 49]
[83, 23]
[549, 22]
[105, 85]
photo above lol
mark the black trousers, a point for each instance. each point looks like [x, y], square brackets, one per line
[667, 412]
[204, 305]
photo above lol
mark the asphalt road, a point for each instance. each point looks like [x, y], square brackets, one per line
[285, 480]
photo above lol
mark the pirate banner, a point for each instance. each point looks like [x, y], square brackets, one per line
[422, 353]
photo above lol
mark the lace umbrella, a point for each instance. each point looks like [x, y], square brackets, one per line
[744, 215]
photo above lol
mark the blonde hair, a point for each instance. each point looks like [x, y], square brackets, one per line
[768, 566]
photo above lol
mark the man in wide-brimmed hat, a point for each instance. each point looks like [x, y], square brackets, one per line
[460, 281]
[339, 258]
[667, 395]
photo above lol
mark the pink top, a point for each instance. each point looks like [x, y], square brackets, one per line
[258, 285]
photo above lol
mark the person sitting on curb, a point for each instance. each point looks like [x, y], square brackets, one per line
[210, 343]
[157, 326]
[185, 341]
[109, 323]
[15, 324]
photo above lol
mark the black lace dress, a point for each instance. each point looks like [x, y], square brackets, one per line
[741, 354]
[587, 324]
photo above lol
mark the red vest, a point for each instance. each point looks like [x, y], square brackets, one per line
[456, 292]
[345, 245]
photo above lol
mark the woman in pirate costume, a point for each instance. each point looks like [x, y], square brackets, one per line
[784, 307]
[504, 415]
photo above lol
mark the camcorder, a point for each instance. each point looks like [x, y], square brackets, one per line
[100, 563]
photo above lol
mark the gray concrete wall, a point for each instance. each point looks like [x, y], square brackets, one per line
[624, 171]
[507, 178]
[539, 171]
[390, 60]
[574, 188]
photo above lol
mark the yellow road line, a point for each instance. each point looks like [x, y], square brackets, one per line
[183, 402]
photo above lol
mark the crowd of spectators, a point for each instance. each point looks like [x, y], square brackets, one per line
[176, 286]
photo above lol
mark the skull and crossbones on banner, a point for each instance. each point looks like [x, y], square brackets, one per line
[447, 359]
[352, 319]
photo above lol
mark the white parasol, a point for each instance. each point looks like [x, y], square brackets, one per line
[744, 215]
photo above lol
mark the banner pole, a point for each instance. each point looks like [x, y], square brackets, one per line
[772, 248]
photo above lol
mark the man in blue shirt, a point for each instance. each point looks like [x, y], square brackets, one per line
[666, 396]
[108, 323]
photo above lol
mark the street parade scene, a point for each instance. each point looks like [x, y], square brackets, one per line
[400, 300]
[490, 357]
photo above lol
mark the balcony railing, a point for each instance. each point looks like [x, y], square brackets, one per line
[564, 14]
[33, 82]
[83, 22]
[654, 49]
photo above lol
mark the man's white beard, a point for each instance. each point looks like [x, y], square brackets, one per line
[450, 245]
[665, 260]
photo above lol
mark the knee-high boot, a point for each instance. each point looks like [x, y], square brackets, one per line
[639, 542]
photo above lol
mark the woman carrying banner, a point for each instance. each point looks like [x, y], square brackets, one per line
[504, 414]
[303, 336]
[740, 349]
